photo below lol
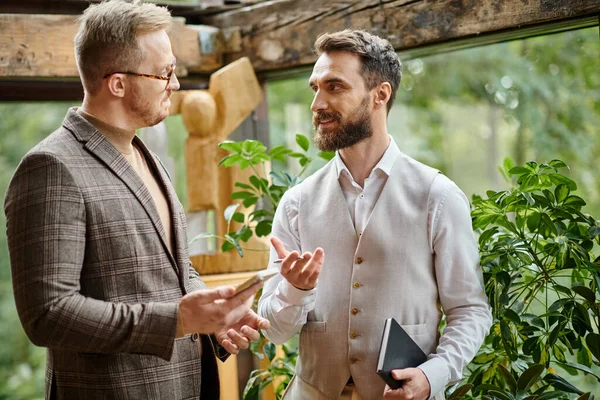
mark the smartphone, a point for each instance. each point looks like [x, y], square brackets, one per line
[260, 276]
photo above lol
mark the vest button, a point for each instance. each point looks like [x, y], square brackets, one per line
[359, 260]
[355, 311]
[194, 337]
[356, 285]
[354, 335]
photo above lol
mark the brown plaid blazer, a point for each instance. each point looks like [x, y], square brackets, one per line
[93, 279]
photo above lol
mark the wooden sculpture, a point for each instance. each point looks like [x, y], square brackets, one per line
[209, 117]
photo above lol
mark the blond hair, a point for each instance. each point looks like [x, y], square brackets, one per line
[380, 62]
[106, 39]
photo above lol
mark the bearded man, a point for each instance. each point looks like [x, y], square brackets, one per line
[398, 240]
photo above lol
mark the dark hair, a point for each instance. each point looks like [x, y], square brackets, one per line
[380, 62]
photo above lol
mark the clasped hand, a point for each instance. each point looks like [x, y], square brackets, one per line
[229, 317]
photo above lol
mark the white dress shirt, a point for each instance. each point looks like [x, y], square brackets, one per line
[287, 307]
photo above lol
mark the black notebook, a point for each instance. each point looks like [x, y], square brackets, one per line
[397, 351]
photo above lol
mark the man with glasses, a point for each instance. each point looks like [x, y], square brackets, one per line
[97, 236]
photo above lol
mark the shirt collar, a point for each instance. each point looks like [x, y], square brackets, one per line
[385, 164]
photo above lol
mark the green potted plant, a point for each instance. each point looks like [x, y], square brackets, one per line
[263, 194]
[543, 283]
[540, 275]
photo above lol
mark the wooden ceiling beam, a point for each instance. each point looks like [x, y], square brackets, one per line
[39, 45]
[278, 35]
[76, 7]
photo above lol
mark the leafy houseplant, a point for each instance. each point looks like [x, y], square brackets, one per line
[543, 284]
[259, 191]
[540, 275]
[265, 194]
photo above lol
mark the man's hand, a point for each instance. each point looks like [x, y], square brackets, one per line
[415, 385]
[211, 310]
[239, 336]
[303, 273]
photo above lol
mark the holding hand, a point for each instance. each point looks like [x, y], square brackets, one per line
[212, 310]
[415, 385]
[302, 273]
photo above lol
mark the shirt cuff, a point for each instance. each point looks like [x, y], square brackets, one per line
[436, 371]
[295, 296]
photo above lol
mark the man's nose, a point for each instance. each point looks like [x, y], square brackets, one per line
[174, 83]
[319, 103]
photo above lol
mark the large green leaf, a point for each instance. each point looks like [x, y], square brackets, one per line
[303, 142]
[508, 378]
[229, 145]
[250, 201]
[502, 395]
[561, 192]
[551, 395]
[593, 343]
[508, 340]
[231, 160]
[235, 243]
[530, 345]
[558, 179]
[584, 292]
[558, 164]
[584, 356]
[263, 228]
[460, 391]
[270, 350]
[241, 195]
[574, 201]
[484, 387]
[326, 155]
[244, 233]
[519, 171]
[238, 217]
[560, 383]
[512, 316]
[579, 367]
[529, 377]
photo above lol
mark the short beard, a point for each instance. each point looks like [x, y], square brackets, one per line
[348, 133]
[143, 109]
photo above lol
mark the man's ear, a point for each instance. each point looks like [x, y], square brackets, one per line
[383, 92]
[116, 85]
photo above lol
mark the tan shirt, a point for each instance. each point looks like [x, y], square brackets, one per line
[120, 139]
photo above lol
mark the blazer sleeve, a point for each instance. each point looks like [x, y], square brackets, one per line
[46, 230]
[194, 280]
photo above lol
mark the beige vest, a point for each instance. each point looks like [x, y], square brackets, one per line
[388, 272]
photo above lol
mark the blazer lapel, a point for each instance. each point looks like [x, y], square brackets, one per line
[97, 144]
[178, 228]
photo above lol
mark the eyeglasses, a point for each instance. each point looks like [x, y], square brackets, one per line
[160, 77]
